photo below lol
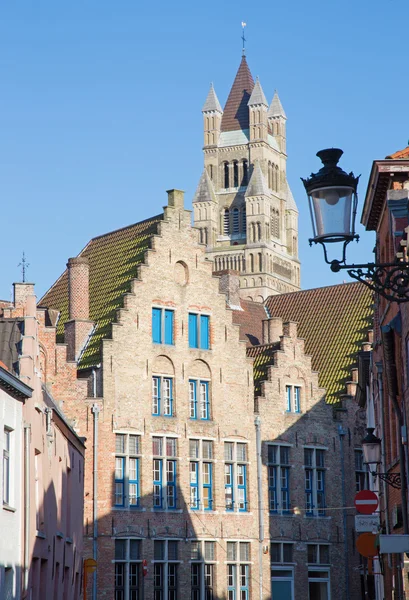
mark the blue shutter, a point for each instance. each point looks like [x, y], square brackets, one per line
[193, 331]
[204, 332]
[169, 326]
[156, 325]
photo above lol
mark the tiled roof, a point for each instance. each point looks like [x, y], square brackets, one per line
[234, 138]
[212, 102]
[262, 359]
[250, 321]
[205, 190]
[257, 95]
[236, 112]
[113, 261]
[10, 337]
[400, 154]
[334, 322]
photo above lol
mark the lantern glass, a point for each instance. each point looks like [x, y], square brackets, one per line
[333, 212]
[372, 451]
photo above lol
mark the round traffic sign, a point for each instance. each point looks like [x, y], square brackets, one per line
[366, 544]
[366, 502]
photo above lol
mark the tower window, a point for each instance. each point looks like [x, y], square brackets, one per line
[245, 173]
[235, 219]
[226, 222]
[236, 174]
[226, 175]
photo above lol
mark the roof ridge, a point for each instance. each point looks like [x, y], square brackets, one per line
[323, 287]
[122, 229]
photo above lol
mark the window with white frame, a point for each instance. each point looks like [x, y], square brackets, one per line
[235, 476]
[162, 396]
[203, 560]
[128, 581]
[282, 582]
[165, 569]
[164, 450]
[293, 398]
[281, 552]
[318, 584]
[314, 467]
[7, 433]
[361, 472]
[238, 570]
[127, 470]
[279, 478]
[199, 405]
[201, 474]
[318, 554]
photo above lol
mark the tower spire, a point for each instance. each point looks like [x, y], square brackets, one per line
[243, 25]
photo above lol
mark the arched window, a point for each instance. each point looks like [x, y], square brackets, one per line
[245, 173]
[253, 232]
[260, 262]
[226, 224]
[210, 171]
[235, 174]
[251, 263]
[275, 223]
[235, 220]
[205, 240]
[226, 175]
[277, 174]
[258, 232]
[243, 220]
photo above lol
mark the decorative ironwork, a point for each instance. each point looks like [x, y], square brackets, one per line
[392, 479]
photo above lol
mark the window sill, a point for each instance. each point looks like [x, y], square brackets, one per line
[167, 510]
[235, 512]
[172, 345]
[129, 508]
[282, 514]
[9, 508]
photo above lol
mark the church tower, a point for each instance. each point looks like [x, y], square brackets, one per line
[243, 205]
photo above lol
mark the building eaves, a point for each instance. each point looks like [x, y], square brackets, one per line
[14, 386]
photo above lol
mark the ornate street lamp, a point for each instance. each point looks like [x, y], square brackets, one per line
[332, 195]
[371, 448]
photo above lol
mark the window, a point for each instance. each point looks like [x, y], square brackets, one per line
[199, 331]
[245, 178]
[281, 552]
[127, 468]
[226, 175]
[279, 479]
[162, 396]
[226, 222]
[202, 555]
[128, 569]
[6, 466]
[314, 465]
[318, 584]
[282, 583]
[361, 472]
[235, 174]
[238, 570]
[236, 226]
[165, 569]
[318, 554]
[293, 398]
[162, 326]
[201, 474]
[164, 472]
[235, 476]
[199, 399]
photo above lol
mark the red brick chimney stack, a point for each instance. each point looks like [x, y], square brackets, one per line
[78, 288]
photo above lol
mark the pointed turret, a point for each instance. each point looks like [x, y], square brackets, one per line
[276, 119]
[212, 117]
[212, 102]
[257, 95]
[236, 113]
[257, 185]
[205, 190]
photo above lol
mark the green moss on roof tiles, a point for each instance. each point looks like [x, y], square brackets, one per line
[334, 322]
[263, 357]
[113, 263]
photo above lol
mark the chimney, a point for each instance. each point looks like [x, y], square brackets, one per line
[272, 330]
[176, 198]
[21, 292]
[78, 327]
[229, 284]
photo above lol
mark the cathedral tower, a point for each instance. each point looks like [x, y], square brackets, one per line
[243, 206]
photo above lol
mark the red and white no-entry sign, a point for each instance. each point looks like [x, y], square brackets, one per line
[366, 502]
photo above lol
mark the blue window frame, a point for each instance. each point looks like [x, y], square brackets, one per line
[288, 397]
[244, 582]
[231, 582]
[157, 483]
[242, 487]
[134, 482]
[321, 492]
[293, 398]
[171, 483]
[119, 481]
[272, 489]
[162, 396]
[314, 481]
[199, 406]
[297, 399]
[162, 326]
[194, 485]
[229, 486]
[199, 331]
[207, 486]
[309, 503]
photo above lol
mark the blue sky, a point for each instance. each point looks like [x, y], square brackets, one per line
[100, 109]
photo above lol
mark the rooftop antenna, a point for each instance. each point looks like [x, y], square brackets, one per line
[24, 266]
[243, 25]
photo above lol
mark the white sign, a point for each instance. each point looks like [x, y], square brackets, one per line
[367, 523]
[391, 544]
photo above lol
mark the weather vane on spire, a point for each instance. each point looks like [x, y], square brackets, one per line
[24, 266]
[243, 25]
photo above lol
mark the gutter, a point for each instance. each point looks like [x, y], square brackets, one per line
[257, 423]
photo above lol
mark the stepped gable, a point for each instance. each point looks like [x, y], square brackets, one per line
[263, 357]
[236, 112]
[113, 263]
[334, 322]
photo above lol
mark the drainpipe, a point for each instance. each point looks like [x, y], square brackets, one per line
[95, 411]
[341, 433]
[257, 423]
[27, 431]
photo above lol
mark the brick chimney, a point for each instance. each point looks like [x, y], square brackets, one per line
[21, 292]
[229, 284]
[79, 327]
[272, 330]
